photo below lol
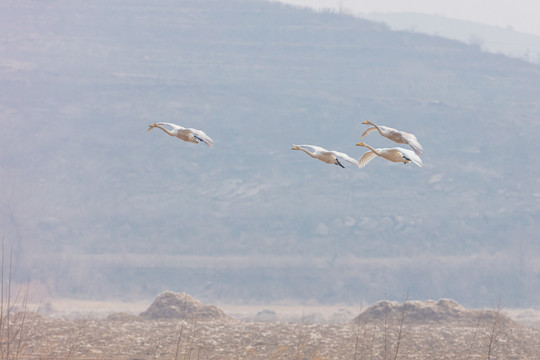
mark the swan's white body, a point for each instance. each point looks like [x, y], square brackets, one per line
[327, 156]
[396, 154]
[186, 134]
[398, 136]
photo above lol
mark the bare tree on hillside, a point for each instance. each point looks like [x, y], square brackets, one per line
[400, 327]
[495, 331]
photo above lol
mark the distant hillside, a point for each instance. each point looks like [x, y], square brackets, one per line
[442, 311]
[93, 205]
[494, 39]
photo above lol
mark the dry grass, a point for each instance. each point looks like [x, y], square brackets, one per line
[134, 338]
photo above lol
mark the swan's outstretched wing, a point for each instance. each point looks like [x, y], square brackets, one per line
[411, 155]
[345, 157]
[201, 136]
[398, 136]
[368, 156]
[368, 131]
[403, 137]
[413, 143]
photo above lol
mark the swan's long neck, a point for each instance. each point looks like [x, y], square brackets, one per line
[164, 129]
[372, 148]
[307, 152]
[376, 127]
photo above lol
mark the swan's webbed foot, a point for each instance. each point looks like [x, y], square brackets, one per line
[339, 163]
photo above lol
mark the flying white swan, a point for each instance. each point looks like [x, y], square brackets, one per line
[396, 154]
[398, 136]
[186, 134]
[327, 156]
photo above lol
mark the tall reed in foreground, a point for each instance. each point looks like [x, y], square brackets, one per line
[17, 323]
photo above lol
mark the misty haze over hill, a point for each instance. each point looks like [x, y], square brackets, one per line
[494, 39]
[94, 206]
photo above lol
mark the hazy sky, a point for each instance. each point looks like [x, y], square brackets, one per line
[522, 15]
